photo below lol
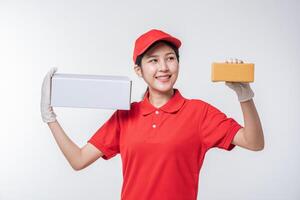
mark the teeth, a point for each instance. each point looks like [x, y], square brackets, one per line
[163, 77]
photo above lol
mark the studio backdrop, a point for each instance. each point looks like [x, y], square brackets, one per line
[97, 37]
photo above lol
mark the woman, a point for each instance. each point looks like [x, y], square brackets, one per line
[163, 138]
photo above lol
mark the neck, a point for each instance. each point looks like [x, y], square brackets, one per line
[158, 99]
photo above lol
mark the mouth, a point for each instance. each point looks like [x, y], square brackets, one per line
[163, 78]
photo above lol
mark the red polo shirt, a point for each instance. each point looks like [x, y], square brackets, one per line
[162, 149]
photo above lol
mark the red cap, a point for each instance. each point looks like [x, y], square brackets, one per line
[148, 38]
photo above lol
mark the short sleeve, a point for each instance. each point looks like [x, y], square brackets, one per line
[218, 130]
[107, 137]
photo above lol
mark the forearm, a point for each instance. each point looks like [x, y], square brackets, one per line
[253, 129]
[70, 150]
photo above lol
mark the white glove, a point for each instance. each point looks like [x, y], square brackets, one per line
[243, 90]
[47, 112]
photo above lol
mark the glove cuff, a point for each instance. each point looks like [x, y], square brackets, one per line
[49, 117]
[246, 96]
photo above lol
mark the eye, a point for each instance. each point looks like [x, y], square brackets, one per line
[153, 60]
[171, 58]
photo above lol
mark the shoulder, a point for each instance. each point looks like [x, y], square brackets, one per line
[203, 107]
[197, 104]
[128, 113]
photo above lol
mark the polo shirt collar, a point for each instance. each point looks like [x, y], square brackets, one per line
[172, 106]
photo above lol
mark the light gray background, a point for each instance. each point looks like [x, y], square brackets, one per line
[97, 37]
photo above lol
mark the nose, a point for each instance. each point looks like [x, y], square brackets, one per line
[163, 66]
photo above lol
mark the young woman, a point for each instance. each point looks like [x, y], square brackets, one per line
[163, 138]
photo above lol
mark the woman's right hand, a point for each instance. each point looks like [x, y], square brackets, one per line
[47, 112]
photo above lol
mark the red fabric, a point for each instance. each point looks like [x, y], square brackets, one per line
[148, 38]
[164, 162]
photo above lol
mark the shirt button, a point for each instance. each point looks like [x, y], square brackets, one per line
[154, 126]
[156, 112]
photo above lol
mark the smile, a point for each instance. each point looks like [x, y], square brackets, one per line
[163, 78]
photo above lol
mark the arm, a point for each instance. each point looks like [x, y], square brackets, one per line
[251, 136]
[78, 158]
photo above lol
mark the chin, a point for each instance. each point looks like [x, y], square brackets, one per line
[163, 89]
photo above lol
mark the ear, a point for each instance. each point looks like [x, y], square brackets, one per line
[138, 70]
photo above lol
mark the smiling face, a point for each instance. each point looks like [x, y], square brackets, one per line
[159, 68]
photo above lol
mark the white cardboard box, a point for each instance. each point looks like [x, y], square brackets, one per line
[91, 91]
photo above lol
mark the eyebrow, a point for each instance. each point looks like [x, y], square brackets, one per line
[149, 56]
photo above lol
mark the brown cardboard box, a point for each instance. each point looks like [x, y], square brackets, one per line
[232, 72]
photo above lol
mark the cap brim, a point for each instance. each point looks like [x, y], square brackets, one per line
[172, 40]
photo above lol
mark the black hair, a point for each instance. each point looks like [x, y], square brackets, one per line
[139, 58]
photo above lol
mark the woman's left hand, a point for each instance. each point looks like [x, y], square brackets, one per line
[243, 90]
